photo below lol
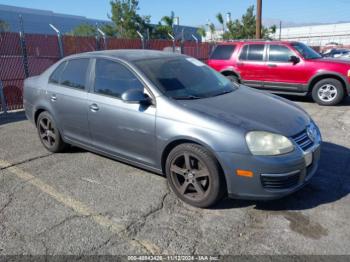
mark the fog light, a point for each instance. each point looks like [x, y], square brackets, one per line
[245, 173]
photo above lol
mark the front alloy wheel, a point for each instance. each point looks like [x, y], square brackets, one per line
[194, 175]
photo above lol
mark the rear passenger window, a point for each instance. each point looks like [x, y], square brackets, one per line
[254, 52]
[56, 75]
[223, 52]
[113, 78]
[74, 74]
[279, 53]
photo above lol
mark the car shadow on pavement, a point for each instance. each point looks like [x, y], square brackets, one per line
[12, 117]
[330, 183]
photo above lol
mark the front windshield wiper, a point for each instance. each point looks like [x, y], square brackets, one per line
[186, 97]
[223, 93]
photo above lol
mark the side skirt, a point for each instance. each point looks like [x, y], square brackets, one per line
[115, 157]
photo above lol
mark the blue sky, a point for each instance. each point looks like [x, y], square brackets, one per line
[197, 12]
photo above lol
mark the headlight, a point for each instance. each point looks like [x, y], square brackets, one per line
[268, 144]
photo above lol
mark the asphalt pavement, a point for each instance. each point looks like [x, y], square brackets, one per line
[78, 203]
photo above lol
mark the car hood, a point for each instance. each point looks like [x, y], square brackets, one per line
[252, 110]
[327, 60]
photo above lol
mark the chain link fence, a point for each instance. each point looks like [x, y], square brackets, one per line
[25, 55]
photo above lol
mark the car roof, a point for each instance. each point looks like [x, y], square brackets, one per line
[127, 54]
[254, 41]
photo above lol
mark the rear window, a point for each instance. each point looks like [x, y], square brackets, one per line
[74, 74]
[223, 52]
[55, 77]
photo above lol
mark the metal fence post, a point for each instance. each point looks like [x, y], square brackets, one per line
[103, 37]
[2, 97]
[23, 47]
[172, 38]
[142, 39]
[148, 38]
[197, 45]
[182, 44]
[59, 39]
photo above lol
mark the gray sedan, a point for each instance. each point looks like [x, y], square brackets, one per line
[173, 115]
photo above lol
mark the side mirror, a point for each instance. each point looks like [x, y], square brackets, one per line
[294, 59]
[135, 96]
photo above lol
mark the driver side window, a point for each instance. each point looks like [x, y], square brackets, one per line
[113, 78]
[280, 53]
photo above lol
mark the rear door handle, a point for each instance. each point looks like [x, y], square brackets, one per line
[53, 98]
[272, 65]
[94, 107]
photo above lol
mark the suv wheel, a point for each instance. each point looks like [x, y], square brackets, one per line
[49, 135]
[328, 92]
[194, 175]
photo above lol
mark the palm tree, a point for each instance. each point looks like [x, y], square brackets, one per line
[212, 30]
[201, 31]
[169, 22]
[220, 19]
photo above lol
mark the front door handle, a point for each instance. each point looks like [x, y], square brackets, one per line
[94, 107]
[272, 65]
[53, 98]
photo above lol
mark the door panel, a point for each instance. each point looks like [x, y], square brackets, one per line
[118, 128]
[121, 129]
[252, 65]
[68, 97]
[281, 70]
[71, 113]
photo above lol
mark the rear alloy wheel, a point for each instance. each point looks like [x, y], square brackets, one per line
[48, 133]
[328, 92]
[194, 175]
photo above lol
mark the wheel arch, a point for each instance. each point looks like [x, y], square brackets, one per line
[325, 75]
[230, 71]
[37, 112]
[41, 109]
[174, 143]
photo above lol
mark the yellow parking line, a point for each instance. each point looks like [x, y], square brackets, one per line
[76, 205]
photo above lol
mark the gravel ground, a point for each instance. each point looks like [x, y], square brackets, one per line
[82, 203]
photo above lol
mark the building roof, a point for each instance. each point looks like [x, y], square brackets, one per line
[36, 21]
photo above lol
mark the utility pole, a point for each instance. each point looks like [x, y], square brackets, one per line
[280, 30]
[258, 19]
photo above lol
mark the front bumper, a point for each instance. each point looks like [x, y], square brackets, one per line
[273, 176]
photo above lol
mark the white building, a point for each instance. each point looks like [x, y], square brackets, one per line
[317, 35]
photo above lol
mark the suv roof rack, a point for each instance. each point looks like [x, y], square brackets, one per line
[250, 40]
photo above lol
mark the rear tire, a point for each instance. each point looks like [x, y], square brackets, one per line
[194, 175]
[328, 92]
[232, 78]
[48, 133]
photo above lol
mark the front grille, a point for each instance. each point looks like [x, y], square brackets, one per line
[303, 140]
[280, 182]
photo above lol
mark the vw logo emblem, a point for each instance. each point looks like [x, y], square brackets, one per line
[310, 134]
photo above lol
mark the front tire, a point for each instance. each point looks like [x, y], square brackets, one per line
[48, 133]
[328, 92]
[194, 175]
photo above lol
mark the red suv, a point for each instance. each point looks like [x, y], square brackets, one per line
[284, 68]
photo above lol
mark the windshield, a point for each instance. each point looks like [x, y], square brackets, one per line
[184, 77]
[306, 51]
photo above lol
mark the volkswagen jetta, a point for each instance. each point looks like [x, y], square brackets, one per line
[173, 115]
